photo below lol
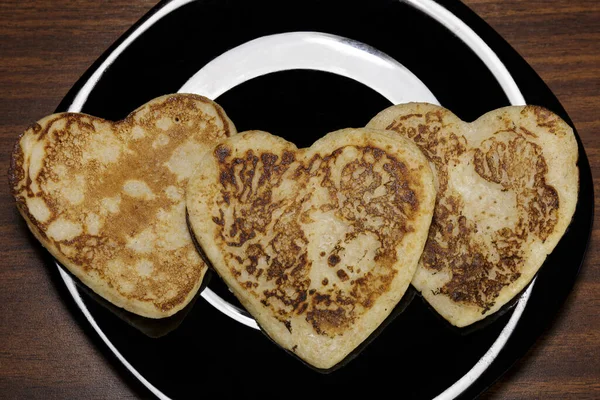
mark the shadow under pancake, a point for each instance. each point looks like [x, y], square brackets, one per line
[153, 328]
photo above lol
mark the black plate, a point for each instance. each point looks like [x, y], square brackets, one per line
[457, 57]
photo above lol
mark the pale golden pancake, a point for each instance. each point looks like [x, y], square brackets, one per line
[107, 198]
[318, 244]
[507, 189]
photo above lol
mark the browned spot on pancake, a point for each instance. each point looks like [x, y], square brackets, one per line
[527, 132]
[288, 325]
[479, 272]
[219, 220]
[333, 260]
[376, 195]
[324, 320]
[395, 208]
[409, 116]
[222, 152]
[519, 166]
[16, 173]
[439, 143]
[369, 287]
[20, 184]
[287, 158]
[342, 275]
[545, 119]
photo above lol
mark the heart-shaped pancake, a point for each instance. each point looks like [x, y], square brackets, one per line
[318, 244]
[507, 189]
[107, 198]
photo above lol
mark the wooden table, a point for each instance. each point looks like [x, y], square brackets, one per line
[47, 45]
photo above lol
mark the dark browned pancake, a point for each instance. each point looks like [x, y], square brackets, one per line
[107, 198]
[507, 189]
[318, 244]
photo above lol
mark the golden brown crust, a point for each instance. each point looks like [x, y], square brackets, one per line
[106, 198]
[496, 202]
[317, 243]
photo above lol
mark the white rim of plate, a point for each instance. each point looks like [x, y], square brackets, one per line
[433, 10]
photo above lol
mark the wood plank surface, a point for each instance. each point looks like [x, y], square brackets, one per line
[45, 46]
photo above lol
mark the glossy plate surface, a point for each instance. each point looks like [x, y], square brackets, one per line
[300, 70]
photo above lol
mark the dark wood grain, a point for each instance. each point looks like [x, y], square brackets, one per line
[46, 46]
